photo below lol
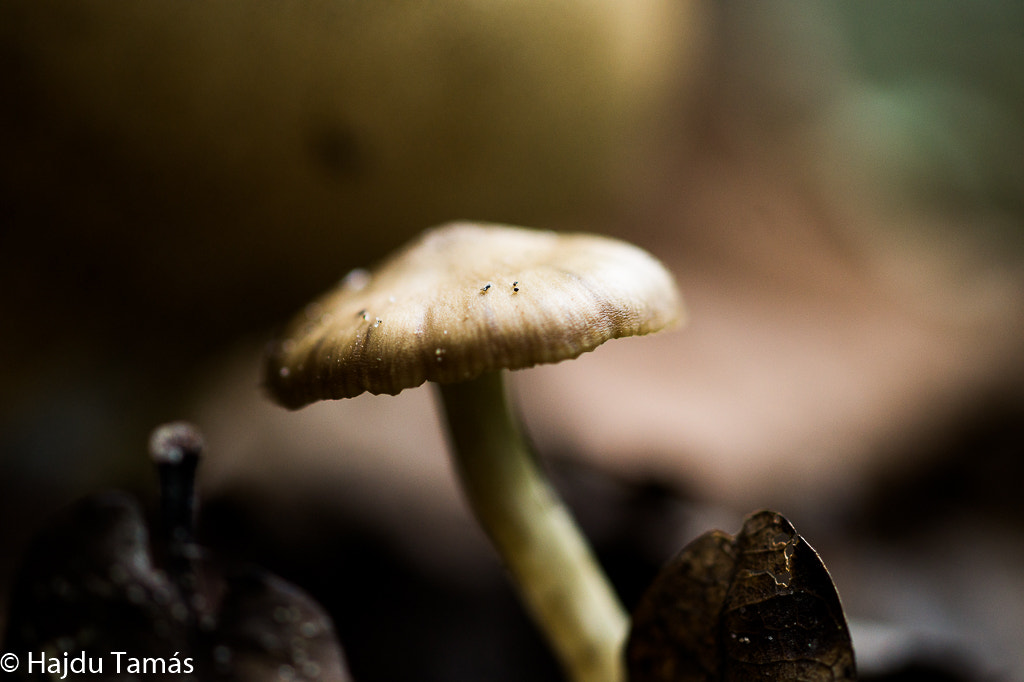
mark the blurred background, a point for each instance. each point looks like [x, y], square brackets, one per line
[838, 188]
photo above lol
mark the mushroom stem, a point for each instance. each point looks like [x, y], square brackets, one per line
[176, 449]
[550, 561]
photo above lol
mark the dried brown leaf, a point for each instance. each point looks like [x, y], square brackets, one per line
[760, 606]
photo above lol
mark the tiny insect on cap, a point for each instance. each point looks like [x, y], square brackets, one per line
[437, 311]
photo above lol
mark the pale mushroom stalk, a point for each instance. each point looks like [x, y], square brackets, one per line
[556, 573]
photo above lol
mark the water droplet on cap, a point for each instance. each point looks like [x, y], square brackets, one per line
[356, 280]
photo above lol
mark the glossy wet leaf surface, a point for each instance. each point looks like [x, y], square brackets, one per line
[757, 606]
[89, 583]
[94, 580]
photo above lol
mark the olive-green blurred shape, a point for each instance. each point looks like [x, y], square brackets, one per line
[224, 160]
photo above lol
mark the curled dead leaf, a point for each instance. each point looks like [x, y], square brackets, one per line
[757, 606]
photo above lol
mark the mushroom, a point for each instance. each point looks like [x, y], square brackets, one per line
[456, 307]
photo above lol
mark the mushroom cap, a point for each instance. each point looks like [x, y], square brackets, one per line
[464, 299]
